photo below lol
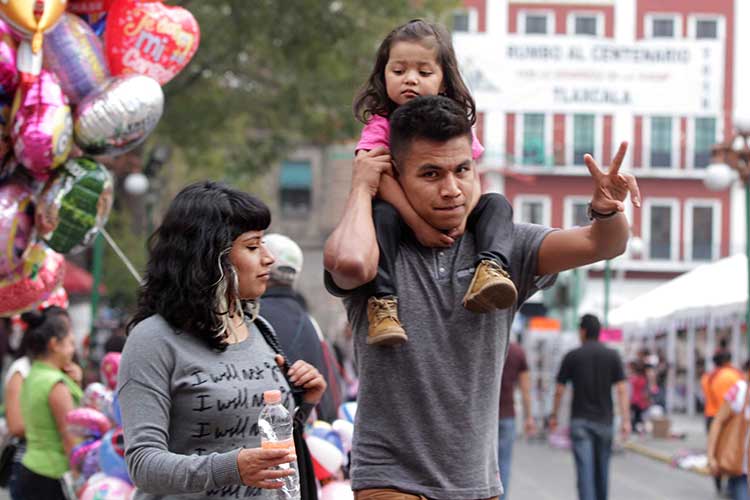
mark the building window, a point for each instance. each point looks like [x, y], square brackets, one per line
[533, 139]
[702, 242]
[585, 25]
[583, 137]
[536, 24]
[295, 186]
[533, 209]
[707, 28]
[465, 21]
[661, 231]
[575, 212]
[661, 142]
[705, 137]
[662, 28]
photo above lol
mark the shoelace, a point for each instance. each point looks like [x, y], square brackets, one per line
[495, 270]
[386, 310]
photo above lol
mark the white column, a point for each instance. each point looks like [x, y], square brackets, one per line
[671, 368]
[497, 18]
[625, 20]
[691, 368]
[737, 219]
[710, 344]
[738, 357]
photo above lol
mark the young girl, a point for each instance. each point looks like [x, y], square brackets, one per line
[417, 59]
[48, 394]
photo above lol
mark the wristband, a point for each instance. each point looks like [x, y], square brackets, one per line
[593, 214]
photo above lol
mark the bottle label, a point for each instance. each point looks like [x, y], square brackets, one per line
[287, 444]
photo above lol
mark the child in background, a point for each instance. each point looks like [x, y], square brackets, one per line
[417, 59]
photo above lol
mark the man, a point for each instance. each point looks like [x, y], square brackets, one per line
[592, 369]
[715, 385]
[427, 416]
[298, 333]
[515, 373]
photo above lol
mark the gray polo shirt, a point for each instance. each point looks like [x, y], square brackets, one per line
[428, 410]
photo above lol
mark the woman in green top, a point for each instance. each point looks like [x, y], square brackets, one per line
[48, 394]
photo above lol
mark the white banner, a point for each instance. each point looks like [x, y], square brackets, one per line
[574, 74]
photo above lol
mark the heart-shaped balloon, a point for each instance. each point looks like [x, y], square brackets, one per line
[149, 38]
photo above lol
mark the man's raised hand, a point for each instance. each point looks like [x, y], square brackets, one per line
[612, 187]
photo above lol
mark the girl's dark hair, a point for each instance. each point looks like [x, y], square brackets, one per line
[44, 325]
[372, 99]
[189, 280]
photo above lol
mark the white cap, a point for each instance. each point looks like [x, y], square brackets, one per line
[288, 257]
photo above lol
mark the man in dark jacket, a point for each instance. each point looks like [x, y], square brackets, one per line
[298, 333]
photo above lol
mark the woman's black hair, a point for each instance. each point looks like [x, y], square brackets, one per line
[43, 326]
[189, 280]
[372, 99]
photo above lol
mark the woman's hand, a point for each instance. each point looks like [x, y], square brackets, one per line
[74, 371]
[255, 467]
[304, 375]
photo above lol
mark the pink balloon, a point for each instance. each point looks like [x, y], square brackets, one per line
[107, 488]
[337, 490]
[87, 422]
[40, 273]
[15, 224]
[9, 77]
[42, 126]
[108, 369]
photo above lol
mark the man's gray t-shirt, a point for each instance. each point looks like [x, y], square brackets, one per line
[427, 411]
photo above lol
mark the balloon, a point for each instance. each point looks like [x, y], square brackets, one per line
[116, 412]
[74, 204]
[320, 428]
[8, 71]
[21, 16]
[149, 38]
[8, 163]
[79, 452]
[42, 127]
[327, 459]
[87, 422]
[347, 411]
[112, 455]
[74, 53]
[337, 490]
[108, 369]
[107, 488]
[98, 397]
[88, 6]
[90, 464]
[16, 205]
[346, 432]
[39, 275]
[334, 438]
[58, 297]
[119, 115]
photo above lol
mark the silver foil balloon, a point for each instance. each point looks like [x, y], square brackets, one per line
[119, 115]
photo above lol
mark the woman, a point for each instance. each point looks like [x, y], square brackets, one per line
[47, 395]
[735, 403]
[639, 400]
[196, 364]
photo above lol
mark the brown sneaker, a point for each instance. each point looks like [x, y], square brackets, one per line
[490, 289]
[385, 328]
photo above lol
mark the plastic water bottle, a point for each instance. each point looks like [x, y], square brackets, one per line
[276, 427]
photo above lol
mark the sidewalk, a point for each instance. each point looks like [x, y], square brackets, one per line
[686, 449]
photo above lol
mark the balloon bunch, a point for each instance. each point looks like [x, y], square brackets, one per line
[78, 79]
[98, 460]
[329, 446]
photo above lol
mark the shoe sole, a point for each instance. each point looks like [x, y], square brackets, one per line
[498, 296]
[387, 339]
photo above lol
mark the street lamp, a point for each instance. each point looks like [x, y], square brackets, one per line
[634, 249]
[727, 160]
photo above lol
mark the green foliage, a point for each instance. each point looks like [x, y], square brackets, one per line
[122, 287]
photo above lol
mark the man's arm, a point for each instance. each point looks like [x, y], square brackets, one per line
[559, 391]
[351, 252]
[524, 383]
[621, 388]
[605, 238]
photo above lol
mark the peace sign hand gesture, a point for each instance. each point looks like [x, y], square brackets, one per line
[612, 187]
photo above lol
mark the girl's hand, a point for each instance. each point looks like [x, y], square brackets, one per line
[74, 371]
[304, 375]
[428, 236]
[255, 466]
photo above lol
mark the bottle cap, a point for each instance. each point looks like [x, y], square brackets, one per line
[272, 397]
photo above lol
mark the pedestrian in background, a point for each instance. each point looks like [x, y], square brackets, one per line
[715, 385]
[592, 369]
[515, 374]
[639, 394]
[735, 402]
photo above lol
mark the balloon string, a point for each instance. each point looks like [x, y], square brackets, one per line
[121, 255]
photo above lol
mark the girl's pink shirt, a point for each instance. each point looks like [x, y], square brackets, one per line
[377, 132]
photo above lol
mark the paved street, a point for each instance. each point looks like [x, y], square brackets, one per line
[544, 473]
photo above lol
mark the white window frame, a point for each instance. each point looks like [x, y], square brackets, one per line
[715, 205]
[690, 139]
[549, 125]
[721, 29]
[521, 20]
[568, 203]
[648, 28]
[646, 152]
[571, 21]
[598, 136]
[545, 200]
[674, 237]
[473, 18]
